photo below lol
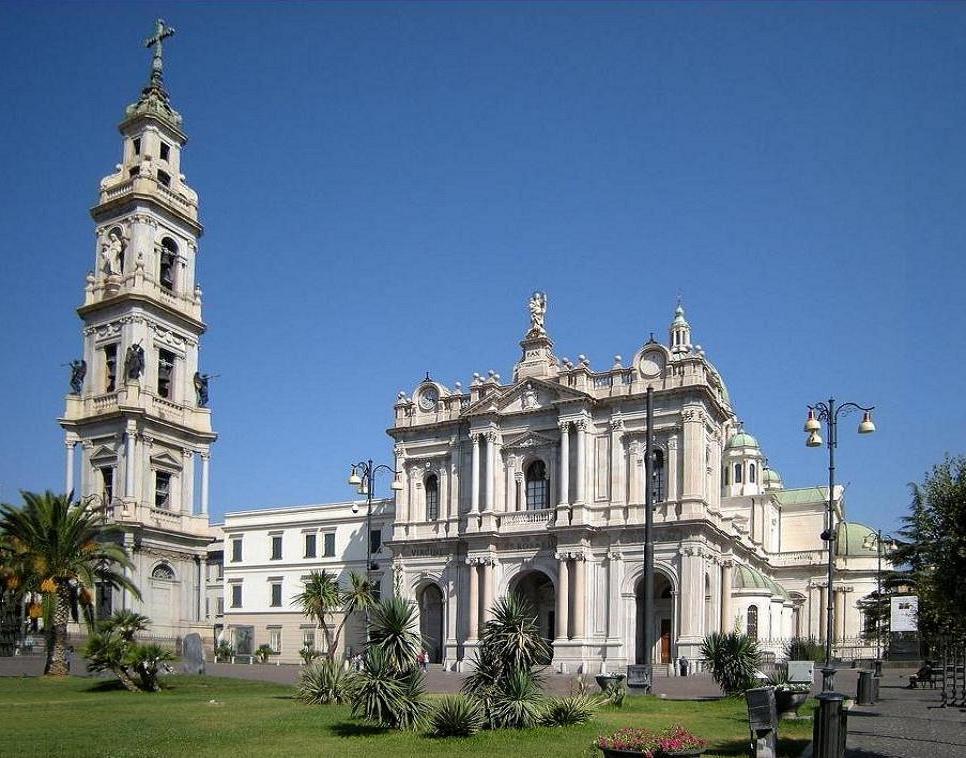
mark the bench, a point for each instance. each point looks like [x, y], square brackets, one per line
[933, 680]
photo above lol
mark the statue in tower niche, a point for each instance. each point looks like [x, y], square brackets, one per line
[78, 370]
[538, 310]
[112, 253]
[134, 361]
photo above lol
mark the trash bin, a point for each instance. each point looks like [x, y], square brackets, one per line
[830, 726]
[864, 688]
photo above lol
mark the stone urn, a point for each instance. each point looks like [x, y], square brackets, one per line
[608, 680]
[787, 703]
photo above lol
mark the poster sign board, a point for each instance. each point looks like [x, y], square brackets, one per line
[904, 613]
[801, 671]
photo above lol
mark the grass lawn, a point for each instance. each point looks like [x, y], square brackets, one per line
[83, 717]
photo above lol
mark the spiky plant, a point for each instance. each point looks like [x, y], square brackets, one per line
[803, 649]
[734, 659]
[106, 651]
[483, 682]
[517, 701]
[145, 661]
[378, 697]
[325, 682]
[319, 599]
[394, 630]
[513, 635]
[568, 711]
[413, 708]
[59, 548]
[125, 624]
[457, 716]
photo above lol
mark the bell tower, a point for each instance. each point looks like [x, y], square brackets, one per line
[137, 410]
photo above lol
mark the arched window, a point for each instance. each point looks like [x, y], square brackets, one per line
[737, 473]
[658, 476]
[169, 251]
[432, 497]
[538, 487]
[751, 473]
[753, 621]
[163, 571]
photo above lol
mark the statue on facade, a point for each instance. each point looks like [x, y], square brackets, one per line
[112, 251]
[538, 310]
[134, 361]
[78, 370]
[201, 388]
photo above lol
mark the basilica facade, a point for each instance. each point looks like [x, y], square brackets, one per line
[536, 486]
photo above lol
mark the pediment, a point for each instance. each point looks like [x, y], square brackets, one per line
[528, 440]
[525, 396]
[104, 453]
[165, 460]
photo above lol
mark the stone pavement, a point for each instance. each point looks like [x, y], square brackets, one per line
[905, 724]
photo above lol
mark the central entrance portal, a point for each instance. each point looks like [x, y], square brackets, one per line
[662, 624]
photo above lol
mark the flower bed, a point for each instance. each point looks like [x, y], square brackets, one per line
[646, 743]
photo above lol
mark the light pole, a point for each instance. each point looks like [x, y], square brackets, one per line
[828, 412]
[867, 542]
[649, 544]
[363, 475]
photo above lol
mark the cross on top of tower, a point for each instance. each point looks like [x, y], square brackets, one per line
[161, 32]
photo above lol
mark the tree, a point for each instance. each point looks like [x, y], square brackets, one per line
[112, 648]
[322, 598]
[734, 658]
[934, 547]
[61, 551]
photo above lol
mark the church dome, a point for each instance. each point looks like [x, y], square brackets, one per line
[679, 319]
[747, 578]
[771, 479]
[741, 439]
[855, 540]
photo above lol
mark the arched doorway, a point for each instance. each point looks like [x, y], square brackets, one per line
[431, 621]
[537, 590]
[663, 621]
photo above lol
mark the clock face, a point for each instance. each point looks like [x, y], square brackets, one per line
[652, 363]
[428, 398]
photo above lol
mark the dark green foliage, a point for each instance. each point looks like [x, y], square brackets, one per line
[262, 652]
[457, 716]
[145, 660]
[734, 659]
[615, 693]
[803, 649]
[394, 631]
[325, 682]
[517, 702]
[568, 711]
[513, 636]
[112, 648]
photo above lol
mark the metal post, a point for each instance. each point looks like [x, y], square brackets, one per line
[878, 602]
[649, 545]
[828, 673]
[370, 475]
[830, 726]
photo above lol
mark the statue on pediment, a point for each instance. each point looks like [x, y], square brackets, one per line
[538, 312]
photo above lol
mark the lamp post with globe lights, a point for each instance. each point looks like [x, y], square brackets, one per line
[362, 476]
[876, 540]
[829, 412]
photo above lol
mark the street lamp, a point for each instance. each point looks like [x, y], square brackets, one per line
[363, 475]
[829, 412]
[867, 543]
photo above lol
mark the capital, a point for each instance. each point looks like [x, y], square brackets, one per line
[617, 423]
[186, 453]
[580, 424]
[563, 426]
[491, 437]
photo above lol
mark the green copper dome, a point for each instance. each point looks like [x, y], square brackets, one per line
[747, 578]
[741, 439]
[855, 540]
[771, 478]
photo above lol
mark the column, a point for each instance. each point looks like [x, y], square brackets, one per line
[129, 464]
[444, 490]
[520, 494]
[474, 605]
[618, 488]
[564, 462]
[487, 589]
[475, 484]
[727, 615]
[579, 613]
[71, 444]
[822, 612]
[839, 617]
[187, 481]
[581, 460]
[563, 597]
[492, 475]
[613, 595]
[671, 467]
[205, 458]
[509, 504]
[692, 591]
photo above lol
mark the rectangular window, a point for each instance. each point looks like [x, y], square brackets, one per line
[375, 539]
[107, 480]
[276, 595]
[162, 490]
[110, 368]
[308, 639]
[165, 372]
[275, 639]
[328, 544]
[220, 606]
[310, 546]
[134, 171]
[277, 547]
[165, 151]
[236, 550]
[164, 178]
[236, 595]
[207, 607]
[137, 145]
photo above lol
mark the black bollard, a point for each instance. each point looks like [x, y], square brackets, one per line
[864, 694]
[830, 726]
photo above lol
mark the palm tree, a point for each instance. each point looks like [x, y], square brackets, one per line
[320, 598]
[62, 550]
[734, 659]
[358, 596]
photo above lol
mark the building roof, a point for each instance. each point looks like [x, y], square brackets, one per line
[801, 495]
[741, 439]
[771, 477]
[747, 578]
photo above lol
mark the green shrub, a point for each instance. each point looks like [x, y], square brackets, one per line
[614, 693]
[517, 702]
[734, 659]
[325, 682]
[145, 660]
[803, 649]
[262, 652]
[568, 711]
[224, 651]
[386, 696]
[457, 716]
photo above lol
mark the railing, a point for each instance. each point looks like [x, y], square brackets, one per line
[542, 516]
[112, 193]
[106, 400]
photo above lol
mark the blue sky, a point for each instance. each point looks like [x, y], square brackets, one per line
[383, 185]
